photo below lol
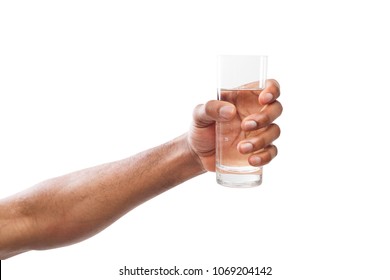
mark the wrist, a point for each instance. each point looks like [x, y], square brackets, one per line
[189, 156]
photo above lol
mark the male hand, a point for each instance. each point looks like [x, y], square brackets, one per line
[259, 127]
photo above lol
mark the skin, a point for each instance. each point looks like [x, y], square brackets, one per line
[73, 207]
[233, 133]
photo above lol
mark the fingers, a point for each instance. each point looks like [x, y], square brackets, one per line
[214, 110]
[263, 157]
[271, 110]
[260, 141]
[264, 118]
[270, 93]
[260, 147]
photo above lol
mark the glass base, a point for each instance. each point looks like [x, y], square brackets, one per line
[239, 179]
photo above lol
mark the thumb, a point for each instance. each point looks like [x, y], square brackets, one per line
[214, 110]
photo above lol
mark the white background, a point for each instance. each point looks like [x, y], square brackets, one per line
[86, 82]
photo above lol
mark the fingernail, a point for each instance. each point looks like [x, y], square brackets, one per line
[249, 125]
[226, 112]
[246, 148]
[255, 161]
[267, 97]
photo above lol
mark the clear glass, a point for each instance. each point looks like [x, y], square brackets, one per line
[241, 78]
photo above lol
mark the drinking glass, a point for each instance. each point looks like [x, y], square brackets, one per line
[241, 78]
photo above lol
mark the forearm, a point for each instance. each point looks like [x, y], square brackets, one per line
[70, 208]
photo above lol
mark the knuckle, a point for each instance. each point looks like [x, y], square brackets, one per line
[265, 119]
[279, 106]
[275, 82]
[260, 143]
[270, 153]
[209, 108]
[267, 158]
[275, 150]
[276, 129]
[274, 85]
[197, 110]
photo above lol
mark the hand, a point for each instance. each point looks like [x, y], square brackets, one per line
[259, 127]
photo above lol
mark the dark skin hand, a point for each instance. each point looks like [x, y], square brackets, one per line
[256, 117]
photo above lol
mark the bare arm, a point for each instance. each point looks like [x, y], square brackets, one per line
[71, 208]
